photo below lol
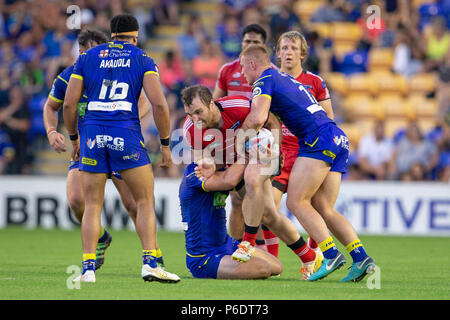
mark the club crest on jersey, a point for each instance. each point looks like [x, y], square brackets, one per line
[90, 143]
[236, 75]
[256, 92]
[103, 53]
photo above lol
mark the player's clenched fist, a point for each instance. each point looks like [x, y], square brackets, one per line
[57, 141]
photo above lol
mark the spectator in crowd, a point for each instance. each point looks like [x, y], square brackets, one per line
[188, 79]
[147, 16]
[167, 12]
[437, 43]
[284, 20]
[230, 37]
[207, 64]
[189, 41]
[252, 15]
[443, 144]
[14, 119]
[404, 62]
[443, 87]
[171, 70]
[331, 11]
[414, 156]
[236, 7]
[375, 151]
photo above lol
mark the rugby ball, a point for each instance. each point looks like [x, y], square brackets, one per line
[263, 139]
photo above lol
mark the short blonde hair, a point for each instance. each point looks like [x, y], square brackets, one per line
[294, 36]
[258, 52]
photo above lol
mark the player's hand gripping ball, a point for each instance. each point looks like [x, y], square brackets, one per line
[263, 140]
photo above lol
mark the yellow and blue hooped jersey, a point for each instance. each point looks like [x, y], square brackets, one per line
[203, 215]
[112, 74]
[291, 102]
[58, 92]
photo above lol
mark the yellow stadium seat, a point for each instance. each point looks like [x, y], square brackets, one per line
[393, 106]
[342, 48]
[306, 8]
[354, 134]
[426, 125]
[362, 107]
[391, 126]
[345, 32]
[422, 83]
[417, 3]
[427, 108]
[380, 58]
[323, 29]
[361, 83]
[390, 83]
[337, 82]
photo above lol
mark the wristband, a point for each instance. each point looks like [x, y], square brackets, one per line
[74, 137]
[165, 142]
[51, 131]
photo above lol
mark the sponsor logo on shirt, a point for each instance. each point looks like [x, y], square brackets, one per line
[90, 143]
[88, 161]
[235, 83]
[135, 156]
[104, 141]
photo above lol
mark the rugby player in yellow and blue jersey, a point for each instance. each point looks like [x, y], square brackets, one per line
[317, 171]
[112, 76]
[86, 39]
[208, 245]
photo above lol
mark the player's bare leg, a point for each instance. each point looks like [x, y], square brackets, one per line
[130, 205]
[261, 265]
[141, 185]
[307, 176]
[127, 197]
[75, 194]
[236, 221]
[94, 187]
[324, 201]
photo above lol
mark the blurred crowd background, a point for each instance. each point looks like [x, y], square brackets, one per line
[388, 78]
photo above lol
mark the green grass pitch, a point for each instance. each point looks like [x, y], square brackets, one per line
[33, 265]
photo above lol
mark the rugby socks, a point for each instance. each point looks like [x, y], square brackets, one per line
[159, 257]
[260, 244]
[356, 250]
[250, 234]
[272, 242]
[88, 262]
[149, 257]
[328, 248]
[303, 251]
[312, 244]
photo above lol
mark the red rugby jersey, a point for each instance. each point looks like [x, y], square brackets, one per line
[234, 110]
[318, 88]
[232, 81]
